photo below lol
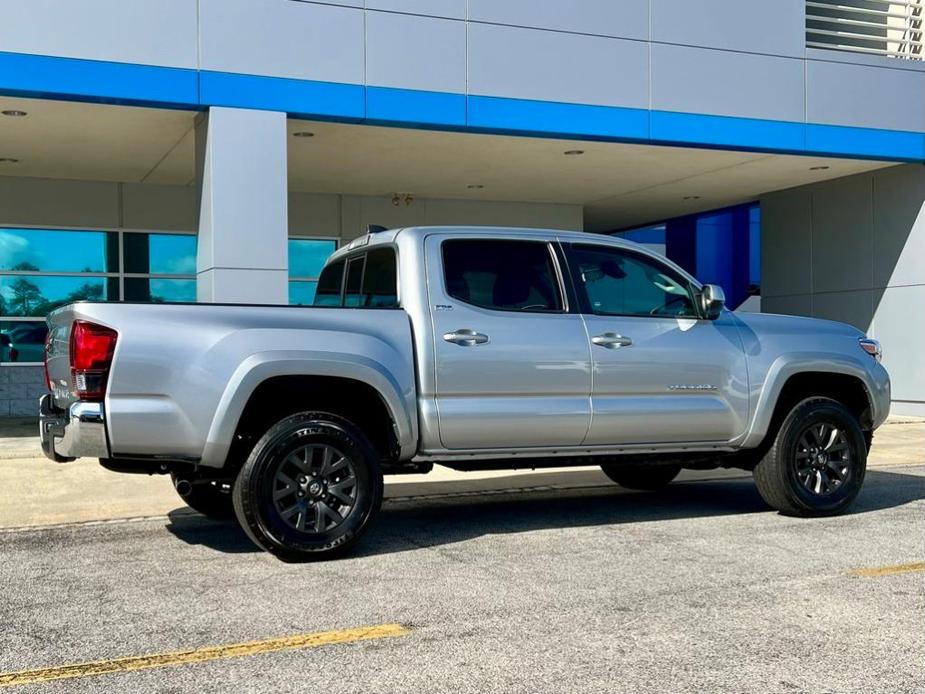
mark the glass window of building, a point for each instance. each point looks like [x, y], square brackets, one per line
[306, 258]
[42, 269]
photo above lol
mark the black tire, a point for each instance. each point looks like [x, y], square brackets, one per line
[799, 478]
[286, 471]
[646, 477]
[205, 497]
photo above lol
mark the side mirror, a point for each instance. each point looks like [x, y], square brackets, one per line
[712, 300]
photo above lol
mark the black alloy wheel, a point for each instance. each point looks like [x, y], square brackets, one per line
[310, 488]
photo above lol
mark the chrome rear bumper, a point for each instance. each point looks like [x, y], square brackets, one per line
[80, 432]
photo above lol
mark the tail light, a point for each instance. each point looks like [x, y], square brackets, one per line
[92, 346]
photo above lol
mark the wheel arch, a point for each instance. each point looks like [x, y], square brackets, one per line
[791, 382]
[274, 385]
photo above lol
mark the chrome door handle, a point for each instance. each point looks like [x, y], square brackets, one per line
[611, 340]
[466, 337]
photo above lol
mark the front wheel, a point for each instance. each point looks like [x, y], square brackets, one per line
[647, 477]
[817, 462]
[310, 488]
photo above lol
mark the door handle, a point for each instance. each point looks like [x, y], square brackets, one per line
[611, 340]
[466, 337]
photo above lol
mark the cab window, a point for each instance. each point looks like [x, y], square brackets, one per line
[329, 285]
[614, 282]
[364, 280]
[501, 275]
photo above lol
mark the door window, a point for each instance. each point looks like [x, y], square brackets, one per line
[615, 282]
[501, 275]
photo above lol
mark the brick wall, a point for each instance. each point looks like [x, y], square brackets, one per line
[20, 388]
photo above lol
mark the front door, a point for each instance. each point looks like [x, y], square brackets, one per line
[512, 366]
[661, 373]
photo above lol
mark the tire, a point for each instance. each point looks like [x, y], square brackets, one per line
[310, 488]
[808, 470]
[205, 497]
[646, 477]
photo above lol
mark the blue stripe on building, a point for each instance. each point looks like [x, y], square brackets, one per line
[147, 85]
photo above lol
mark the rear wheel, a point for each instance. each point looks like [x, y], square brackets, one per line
[648, 477]
[210, 498]
[310, 488]
[817, 463]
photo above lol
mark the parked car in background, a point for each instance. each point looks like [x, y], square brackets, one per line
[466, 347]
[23, 343]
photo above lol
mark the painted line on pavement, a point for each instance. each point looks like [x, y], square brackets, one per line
[200, 655]
[888, 570]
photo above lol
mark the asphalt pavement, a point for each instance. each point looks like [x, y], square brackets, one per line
[543, 582]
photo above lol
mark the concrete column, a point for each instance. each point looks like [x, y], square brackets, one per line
[243, 216]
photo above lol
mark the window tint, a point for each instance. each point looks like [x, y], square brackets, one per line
[51, 250]
[370, 281]
[619, 283]
[380, 281]
[329, 285]
[354, 282]
[160, 254]
[307, 256]
[37, 295]
[504, 275]
[159, 290]
[22, 342]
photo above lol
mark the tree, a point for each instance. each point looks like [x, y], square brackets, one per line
[26, 295]
[25, 266]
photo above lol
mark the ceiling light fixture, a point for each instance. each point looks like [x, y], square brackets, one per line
[573, 152]
[475, 186]
[303, 133]
[14, 113]
[691, 197]
[819, 168]
[8, 160]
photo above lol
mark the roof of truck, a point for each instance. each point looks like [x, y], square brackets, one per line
[389, 236]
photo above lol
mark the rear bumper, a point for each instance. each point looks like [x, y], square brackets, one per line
[79, 432]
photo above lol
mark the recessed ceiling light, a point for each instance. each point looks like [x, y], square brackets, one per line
[691, 197]
[573, 152]
[475, 186]
[8, 160]
[14, 113]
[818, 168]
[303, 133]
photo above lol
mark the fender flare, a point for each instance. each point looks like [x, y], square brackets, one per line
[262, 366]
[792, 364]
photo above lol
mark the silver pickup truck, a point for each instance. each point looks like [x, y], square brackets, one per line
[473, 348]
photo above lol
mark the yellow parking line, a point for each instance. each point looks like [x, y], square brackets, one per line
[888, 570]
[199, 655]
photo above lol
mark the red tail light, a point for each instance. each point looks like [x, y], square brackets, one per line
[92, 346]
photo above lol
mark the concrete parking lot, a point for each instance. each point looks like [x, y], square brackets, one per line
[552, 581]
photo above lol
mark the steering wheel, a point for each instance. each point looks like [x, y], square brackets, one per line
[664, 308]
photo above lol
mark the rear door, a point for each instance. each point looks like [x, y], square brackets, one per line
[662, 374]
[512, 365]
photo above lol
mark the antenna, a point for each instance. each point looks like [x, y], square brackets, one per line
[375, 228]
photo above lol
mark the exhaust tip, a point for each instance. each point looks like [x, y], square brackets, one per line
[184, 487]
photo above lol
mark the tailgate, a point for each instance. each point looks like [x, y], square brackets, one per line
[57, 353]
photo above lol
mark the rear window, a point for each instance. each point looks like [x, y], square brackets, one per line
[365, 280]
[329, 285]
[501, 275]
